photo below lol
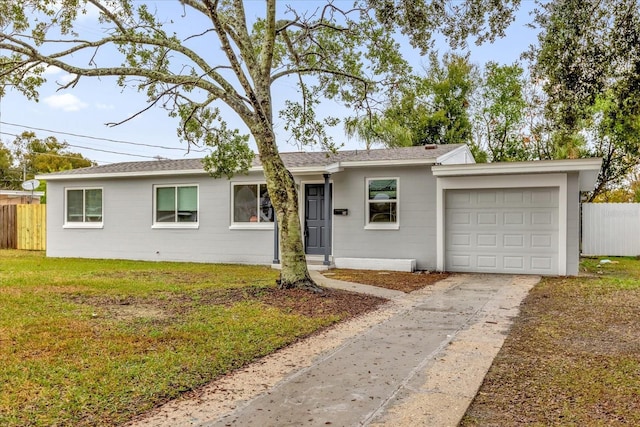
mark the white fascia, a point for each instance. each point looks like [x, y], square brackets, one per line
[340, 166]
[537, 166]
[68, 177]
[378, 163]
[444, 157]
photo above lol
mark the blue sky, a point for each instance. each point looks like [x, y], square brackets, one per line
[85, 109]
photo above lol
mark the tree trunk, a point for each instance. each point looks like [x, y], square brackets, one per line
[284, 198]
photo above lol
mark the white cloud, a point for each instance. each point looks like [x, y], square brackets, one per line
[101, 106]
[65, 102]
[50, 70]
[66, 79]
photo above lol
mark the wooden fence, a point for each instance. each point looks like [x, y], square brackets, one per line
[23, 227]
[611, 229]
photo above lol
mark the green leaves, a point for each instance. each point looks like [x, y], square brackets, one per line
[420, 20]
[433, 109]
[230, 152]
[589, 59]
[34, 156]
[499, 119]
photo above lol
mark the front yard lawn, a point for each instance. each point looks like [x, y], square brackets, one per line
[572, 356]
[95, 342]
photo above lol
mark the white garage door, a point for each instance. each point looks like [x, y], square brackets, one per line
[502, 230]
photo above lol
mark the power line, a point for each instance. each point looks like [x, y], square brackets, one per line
[95, 149]
[117, 141]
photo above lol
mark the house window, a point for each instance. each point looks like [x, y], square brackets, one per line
[84, 206]
[176, 204]
[251, 204]
[382, 203]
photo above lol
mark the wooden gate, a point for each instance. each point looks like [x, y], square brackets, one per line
[32, 227]
[23, 227]
[8, 227]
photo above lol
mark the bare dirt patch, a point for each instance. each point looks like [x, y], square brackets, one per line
[166, 305]
[396, 280]
[572, 358]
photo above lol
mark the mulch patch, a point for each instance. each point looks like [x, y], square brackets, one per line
[396, 280]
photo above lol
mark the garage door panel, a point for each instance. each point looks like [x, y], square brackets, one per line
[461, 239]
[541, 263]
[487, 261]
[502, 230]
[514, 263]
[541, 241]
[487, 240]
[488, 197]
[513, 241]
[461, 261]
[461, 218]
[513, 218]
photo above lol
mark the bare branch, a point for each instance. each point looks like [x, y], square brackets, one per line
[148, 107]
[109, 15]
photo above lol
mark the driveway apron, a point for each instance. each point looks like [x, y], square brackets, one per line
[375, 377]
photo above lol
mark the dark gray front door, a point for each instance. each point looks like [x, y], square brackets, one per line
[314, 222]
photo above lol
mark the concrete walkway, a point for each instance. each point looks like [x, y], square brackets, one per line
[420, 365]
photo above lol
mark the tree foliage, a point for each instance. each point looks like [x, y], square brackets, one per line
[458, 21]
[429, 109]
[8, 174]
[499, 121]
[588, 57]
[39, 156]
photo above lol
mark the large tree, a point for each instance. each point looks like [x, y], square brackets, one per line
[229, 57]
[588, 59]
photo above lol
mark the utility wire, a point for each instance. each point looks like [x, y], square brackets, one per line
[95, 149]
[117, 141]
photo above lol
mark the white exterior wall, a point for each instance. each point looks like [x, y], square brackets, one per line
[128, 219]
[573, 224]
[415, 237]
[611, 229]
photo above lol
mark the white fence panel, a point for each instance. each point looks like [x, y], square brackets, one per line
[611, 229]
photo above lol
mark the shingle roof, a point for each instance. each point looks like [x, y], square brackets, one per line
[291, 160]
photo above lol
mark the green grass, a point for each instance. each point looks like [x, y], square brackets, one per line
[573, 355]
[94, 342]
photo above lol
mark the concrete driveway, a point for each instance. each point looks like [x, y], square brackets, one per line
[418, 362]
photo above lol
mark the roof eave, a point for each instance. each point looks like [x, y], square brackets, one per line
[79, 176]
[387, 163]
[541, 166]
[587, 169]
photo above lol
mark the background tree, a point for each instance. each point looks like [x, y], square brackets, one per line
[340, 55]
[588, 57]
[36, 156]
[429, 109]
[9, 178]
[28, 156]
[499, 120]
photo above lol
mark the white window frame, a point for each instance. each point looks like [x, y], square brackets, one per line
[84, 223]
[381, 225]
[175, 224]
[258, 225]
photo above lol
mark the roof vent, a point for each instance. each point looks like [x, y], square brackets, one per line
[430, 146]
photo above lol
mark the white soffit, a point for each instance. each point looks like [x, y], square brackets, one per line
[588, 169]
